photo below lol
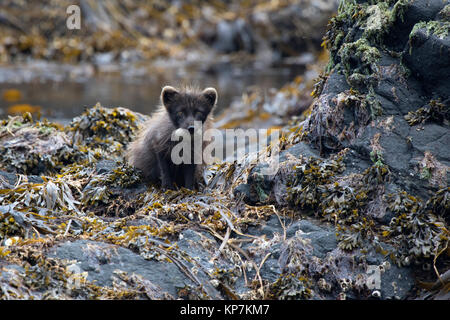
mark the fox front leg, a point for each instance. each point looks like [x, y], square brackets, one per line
[165, 174]
[189, 172]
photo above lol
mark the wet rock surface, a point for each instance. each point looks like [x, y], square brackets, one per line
[102, 260]
[358, 207]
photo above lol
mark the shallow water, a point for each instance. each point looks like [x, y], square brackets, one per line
[61, 100]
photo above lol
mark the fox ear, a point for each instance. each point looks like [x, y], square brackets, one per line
[168, 95]
[210, 95]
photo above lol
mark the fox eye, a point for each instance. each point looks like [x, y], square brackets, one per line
[179, 114]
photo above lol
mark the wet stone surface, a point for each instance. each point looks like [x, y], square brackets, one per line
[357, 209]
[101, 260]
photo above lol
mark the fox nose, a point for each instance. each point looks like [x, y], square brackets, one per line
[191, 129]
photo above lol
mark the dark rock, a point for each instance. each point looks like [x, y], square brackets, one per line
[305, 226]
[35, 179]
[190, 243]
[414, 12]
[429, 59]
[357, 160]
[294, 29]
[259, 185]
[323, 239]
[395, 282]
[269, 228]
[299, 149]
[7, 179]
[357, 121]
[335, 83]
[233, 36]
[397, 95]
[100, 260]
[243, 191]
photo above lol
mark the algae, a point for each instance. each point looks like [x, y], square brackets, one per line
[439, 29]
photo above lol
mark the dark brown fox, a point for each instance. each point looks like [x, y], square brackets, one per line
[151, 151]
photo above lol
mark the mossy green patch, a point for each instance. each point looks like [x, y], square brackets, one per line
[444, 14]
[359, 56]
[438, 28]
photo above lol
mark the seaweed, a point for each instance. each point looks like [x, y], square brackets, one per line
[105, 128]
[318, 189]
[438, 28]
[418, 231]
[359, 57]
[30, 147]
[435, 111]
[289, 287]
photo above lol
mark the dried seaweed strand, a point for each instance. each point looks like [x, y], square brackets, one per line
[224, 242]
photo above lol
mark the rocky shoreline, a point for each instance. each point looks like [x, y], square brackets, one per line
[141, 38]
[359, 208]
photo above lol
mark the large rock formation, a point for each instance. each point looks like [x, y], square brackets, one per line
[358, 208]
[373, 154]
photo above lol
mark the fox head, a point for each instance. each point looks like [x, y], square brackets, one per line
[187, 106]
